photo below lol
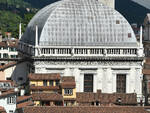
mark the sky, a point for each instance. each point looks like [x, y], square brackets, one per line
[145, 3]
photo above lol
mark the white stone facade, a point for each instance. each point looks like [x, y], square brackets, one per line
[78, 37]
[104, 73]
[9, 107]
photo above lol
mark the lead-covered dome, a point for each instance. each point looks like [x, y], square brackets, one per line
[79, 23]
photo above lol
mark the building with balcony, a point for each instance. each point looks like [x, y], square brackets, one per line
[8, 49]
[87, 40]
[52, 90]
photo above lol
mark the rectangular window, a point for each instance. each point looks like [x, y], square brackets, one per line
[68, 91]
[88, 83]
[5, 55]
[57, 82]
[121, 83]
[10, 111]
[13, 56]
[45, 82]
[5, 48]
[11, 100]
[51, 83]
[12, 49]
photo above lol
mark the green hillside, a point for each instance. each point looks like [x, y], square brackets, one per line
[12, 12]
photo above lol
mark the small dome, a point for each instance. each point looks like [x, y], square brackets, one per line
[79, 23]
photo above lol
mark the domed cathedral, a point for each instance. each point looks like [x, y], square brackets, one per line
[88, 40]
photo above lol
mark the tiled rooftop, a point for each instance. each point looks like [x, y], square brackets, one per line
[68, 82]
[84, 110]
[47, 97]
[7, 65]
[44, 87]
[127, 99]
[54, 76]
[22, 98]
[2, 110]
[8, 92]
[24, 104]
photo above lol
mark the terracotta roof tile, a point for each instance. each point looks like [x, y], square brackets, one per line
[21, 98]
[44, 88]
[8, 92]
[106, 98]
[47, 96]
[84, 110]
[68, 79]
[54, 76]
[68, 82]
[2, 110]
[146, 71]
[7, 65]
[24, 104]
[68, 85]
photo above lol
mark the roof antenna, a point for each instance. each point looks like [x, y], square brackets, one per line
[141, 36]
[36, 36]
[20, 34]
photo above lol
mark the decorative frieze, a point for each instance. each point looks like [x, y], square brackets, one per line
[88, 63]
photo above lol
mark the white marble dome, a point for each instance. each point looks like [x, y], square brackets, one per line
[79, 23]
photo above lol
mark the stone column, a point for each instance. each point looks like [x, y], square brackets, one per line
[99, 78]
[104, 81]
[76, 74]
[109, 81]
[131, 81]
[114, 82]
[138, 83]
[95, 78]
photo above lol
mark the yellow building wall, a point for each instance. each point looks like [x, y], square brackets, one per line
[36, 83]
[69, 96]
[40, 83]
[54, 83]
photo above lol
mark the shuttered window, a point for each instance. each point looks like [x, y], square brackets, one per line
[121, 83]
[88, 83]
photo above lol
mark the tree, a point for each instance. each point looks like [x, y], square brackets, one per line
[9, 22]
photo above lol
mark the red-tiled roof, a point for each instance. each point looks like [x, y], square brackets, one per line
[147, 60]
[68, 82]
[68, 85]
[24, 104]
[8, 92]
[84, 110]
[34, 76]
[106, 98]
[21, 98]
[7, 65]
[47, 97]
[68, 79]
[44, 87]
[146, 71]
[2, 110]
